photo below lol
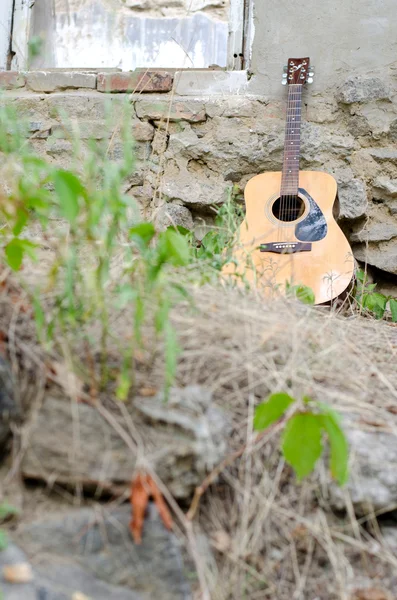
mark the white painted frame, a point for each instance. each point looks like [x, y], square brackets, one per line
[241, 29]
[18, 25]
[20, 34]
[5, 32]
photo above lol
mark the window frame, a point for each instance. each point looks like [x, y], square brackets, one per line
[239, 38]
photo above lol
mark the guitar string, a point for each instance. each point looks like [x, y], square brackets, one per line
[290, 200]
[286, 198]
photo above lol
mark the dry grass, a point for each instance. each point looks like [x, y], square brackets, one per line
[270, 537]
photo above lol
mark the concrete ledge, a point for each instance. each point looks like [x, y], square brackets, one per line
[11, 80]
[209, 83]
[189, 82]
[51, 81]
[136, 81]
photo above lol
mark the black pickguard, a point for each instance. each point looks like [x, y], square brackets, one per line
[314, 227]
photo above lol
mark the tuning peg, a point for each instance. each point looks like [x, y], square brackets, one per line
[285, 75]
[285, 68]
[309, 79]
[283, 82]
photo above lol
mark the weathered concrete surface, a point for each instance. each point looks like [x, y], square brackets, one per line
[342, 39]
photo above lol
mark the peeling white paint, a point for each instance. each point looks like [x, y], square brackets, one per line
[20, 34]
[5, 31]
[96, 36]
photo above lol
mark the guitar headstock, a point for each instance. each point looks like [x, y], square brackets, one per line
[298, 71]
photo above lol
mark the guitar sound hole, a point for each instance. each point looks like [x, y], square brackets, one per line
[288, 208]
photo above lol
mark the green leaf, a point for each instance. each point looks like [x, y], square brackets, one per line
[393, 308]
[183, 230]
[7, 510]
[172, 351]
[35, 46]
[69, 189]
[173, 248]
[142, 234]
[338, 445]
[360, 275]
[376, 303]
[301, 442]
[14, 254]
[161, 316]
[124, 384]
[139, 317]
[21, 220]
[126, 294]
[305, 294]
[270, 411]
[3, 540]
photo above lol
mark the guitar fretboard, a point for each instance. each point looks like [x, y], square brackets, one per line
[290, 176]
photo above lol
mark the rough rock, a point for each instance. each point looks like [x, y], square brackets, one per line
[385, 186]
[363, 89]
[142, 131]
[317, 141]
[353, 199]
[375, 232]
[96, 457]
[373, 480]
[10, 80]
[384, 154]
[160, 140]
[389, 537]
[176, 109]
[173, 214]
[12, 555]
[194, 184]
[322, 110]
[91, 551]
[377, 116]
[136, 81]
[191, 410]
[383, 256]
[8, 406]
[50, 81]
[372, 593]
[393, 130]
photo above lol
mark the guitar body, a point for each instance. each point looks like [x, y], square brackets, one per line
[310, 250]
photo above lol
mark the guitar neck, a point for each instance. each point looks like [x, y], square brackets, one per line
[290, 176]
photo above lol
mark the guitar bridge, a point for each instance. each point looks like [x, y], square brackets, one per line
[286, 247]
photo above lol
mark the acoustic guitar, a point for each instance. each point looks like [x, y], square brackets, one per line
[289, 236]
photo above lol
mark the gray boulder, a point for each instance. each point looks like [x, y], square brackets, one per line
[373, 480]
[90, 551]
[75, 445]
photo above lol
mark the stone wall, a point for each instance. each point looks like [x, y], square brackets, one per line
[192, 150]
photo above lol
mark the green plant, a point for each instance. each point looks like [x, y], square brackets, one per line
[147, 281]
[373, 302]
[88, 222]
[304, 432]
[216, 246]
[303, 293]
[6, 511]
